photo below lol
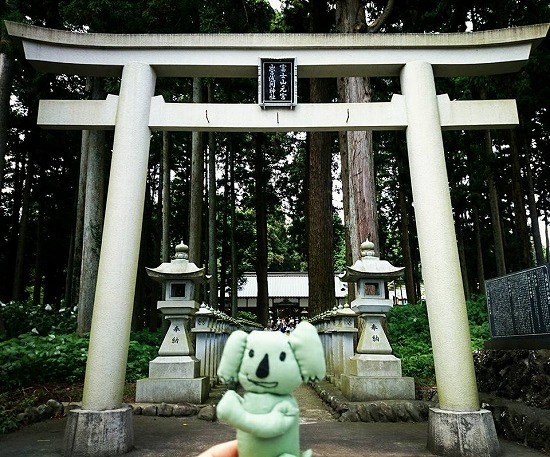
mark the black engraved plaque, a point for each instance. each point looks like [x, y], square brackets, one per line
[519, 303]
[277, 82]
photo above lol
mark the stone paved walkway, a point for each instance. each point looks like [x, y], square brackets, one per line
[188, 436]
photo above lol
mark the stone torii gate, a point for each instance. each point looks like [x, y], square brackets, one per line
[104, 425]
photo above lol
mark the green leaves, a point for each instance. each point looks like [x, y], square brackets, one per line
[409, 334]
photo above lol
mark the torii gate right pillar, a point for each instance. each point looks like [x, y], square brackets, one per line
[458, 427]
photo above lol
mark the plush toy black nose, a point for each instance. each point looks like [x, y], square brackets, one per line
[263, 368]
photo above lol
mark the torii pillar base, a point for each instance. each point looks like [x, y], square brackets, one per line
[99, 433]
[462, 434]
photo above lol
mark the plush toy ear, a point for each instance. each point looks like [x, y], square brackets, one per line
[232, 356]
[308, 350]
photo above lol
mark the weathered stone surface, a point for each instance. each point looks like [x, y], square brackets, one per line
[138, 410]
[349, 416]
[56, 406]
[373, 411]
[515, 374]
[165, 410]
[184, 409]
[111, 432]
[516, 421]
[22, 417]
[44, 412]
[462, 434]
[388, 412]
[32, 413]
[208, 413]
[149, 410]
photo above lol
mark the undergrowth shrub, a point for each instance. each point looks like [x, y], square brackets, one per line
[21, 317]
[409, 334]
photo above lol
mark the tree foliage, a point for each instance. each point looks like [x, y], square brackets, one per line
[40, 167]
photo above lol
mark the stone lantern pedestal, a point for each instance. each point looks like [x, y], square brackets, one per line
[373, 373]
[174, 376]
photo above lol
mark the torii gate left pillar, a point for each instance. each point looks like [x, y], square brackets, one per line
[104, 427]
[102, 407]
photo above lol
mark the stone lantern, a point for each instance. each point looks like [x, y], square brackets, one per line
[374, 373]
[174, 376]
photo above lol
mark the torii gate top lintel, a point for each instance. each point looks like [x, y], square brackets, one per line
[318, 55]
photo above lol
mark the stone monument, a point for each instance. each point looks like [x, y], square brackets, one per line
[374, 373]
[174, 376]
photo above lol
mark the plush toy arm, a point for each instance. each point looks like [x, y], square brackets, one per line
[265, 425]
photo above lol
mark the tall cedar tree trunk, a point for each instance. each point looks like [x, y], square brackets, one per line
[356, 148]
[462, 256]
[6, 72]
[496, 223]
[260, 178]
[165, 180]
[94, 211]
[72, 289]
[479, 250]
[225, 230]
[320, 226]
[6, 65]
[212, 226]
[37, 283]
[533, 211]
[232, 235]
[197, 186]
[31, 145]
[520, 217]
[404, 225]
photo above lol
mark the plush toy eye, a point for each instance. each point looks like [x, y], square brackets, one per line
[282, 356]
[251, 353]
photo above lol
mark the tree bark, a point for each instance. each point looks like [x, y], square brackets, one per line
[520, 217]
[262, 300]
[232, 237]
[93, 228]
[17, 291]
[322, 294]
[404, 227]
[320, 236]
[533, 212]
[197, 185]
[37, 283]
[462, 257]
[72, 290]
[94, 211]
[6, 66]
[165, 179]
[479, 252]
[356, 152]
[500, 259]
[212, 203]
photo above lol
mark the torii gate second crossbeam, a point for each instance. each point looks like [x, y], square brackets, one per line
[458, 423]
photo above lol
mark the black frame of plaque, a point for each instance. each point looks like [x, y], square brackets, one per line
[270, 82]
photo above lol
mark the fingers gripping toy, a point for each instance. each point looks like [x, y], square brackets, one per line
[269, 366]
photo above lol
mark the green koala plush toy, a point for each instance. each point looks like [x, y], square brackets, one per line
[269, 366]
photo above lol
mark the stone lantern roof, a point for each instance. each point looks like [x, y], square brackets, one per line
[370, 266]
[178, 268]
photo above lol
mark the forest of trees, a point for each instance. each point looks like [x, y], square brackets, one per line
[259, 202]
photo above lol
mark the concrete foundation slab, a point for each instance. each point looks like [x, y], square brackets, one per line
[361, 388]
[462, 434]
[158, 390]
[99, 433]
